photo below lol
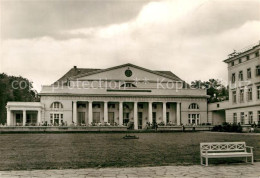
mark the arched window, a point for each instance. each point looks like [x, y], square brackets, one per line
[129, 85]
[56, 105]
[193, 106]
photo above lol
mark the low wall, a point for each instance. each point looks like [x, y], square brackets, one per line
[186, 128]
[29, 129]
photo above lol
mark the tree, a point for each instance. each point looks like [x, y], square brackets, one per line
[14, 88]
[215, 89]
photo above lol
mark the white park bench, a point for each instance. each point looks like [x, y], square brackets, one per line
[224, 150]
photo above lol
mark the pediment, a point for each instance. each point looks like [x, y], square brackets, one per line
[126, 72]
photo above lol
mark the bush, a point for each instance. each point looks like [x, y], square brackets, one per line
[227, 127]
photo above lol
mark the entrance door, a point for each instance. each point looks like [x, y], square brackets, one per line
[140, 120]
[126, 118]
[154, 117]
[111, 118]
[81, 118]
[56, 119]
[96, 117]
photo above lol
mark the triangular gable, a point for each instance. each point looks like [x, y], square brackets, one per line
[118, 73]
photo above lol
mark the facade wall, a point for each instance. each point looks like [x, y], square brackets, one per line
[202, 111]
[246, 110]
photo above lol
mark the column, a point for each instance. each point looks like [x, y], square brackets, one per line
[74, 118]
[24, 117]
[90, 117]
[39, 117]
[135, 116]
[120, 113]
[8, 119]
[164, 113]
[105, 112]
[178, 113]
[150, 112]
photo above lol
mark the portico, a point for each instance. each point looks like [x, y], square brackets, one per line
[22, 113]
[122, 112]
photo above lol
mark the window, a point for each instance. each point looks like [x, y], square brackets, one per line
[239, 60]
[154, 117]
[235, 118]
[233, 79]
[234, 96]
[249, 94]
[217, 105]
[241, 95]
[249, 73]
[257, 70]
[96, 105]
[250, 117]
[258, 92]
[258, 116]
[242, 118]
[140, 106]
[129, 85]
[56, 105]
[193, 118]
[240, 75]
[111, 105]
[232, 63]
[193, 106]
[257, 54]
[247, 57]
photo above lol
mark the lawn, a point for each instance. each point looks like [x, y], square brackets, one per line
[81, 150]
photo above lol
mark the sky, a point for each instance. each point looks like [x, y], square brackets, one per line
[42, 39]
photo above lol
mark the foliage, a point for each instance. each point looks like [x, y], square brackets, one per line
[227, 127]
[14, 88]
[215, 89]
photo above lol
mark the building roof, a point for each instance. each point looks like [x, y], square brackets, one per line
[78, 72]
[241, 52]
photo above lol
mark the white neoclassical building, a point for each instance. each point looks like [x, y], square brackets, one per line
[113, 96]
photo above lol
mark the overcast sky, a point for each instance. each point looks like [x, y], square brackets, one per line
[41, 40]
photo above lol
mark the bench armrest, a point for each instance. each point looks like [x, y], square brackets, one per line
[251, 148]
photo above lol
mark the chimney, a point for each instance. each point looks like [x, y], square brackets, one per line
[75, 67]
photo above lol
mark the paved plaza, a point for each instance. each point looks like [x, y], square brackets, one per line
[218, 171]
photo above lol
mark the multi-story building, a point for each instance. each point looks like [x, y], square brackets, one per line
[244, 89]
[116, 95]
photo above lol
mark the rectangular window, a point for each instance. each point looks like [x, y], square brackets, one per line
[258, 116]
[249, 73]
[111, 105]
[242, 118]
[96, 105]
[232, 63]
[257, 70]
[258, 92]
[257, 54]
[240, 75]
[140, 106]
[249, 94]
[241, 95]
[250, 117]
[247, 57]
[235, 118]
[233, 79]
[234, 96]
[239, 60]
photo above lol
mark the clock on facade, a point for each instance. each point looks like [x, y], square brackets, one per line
[128, 73]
